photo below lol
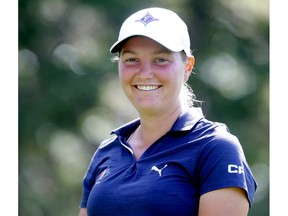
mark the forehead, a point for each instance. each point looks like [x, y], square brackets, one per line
[140, 42]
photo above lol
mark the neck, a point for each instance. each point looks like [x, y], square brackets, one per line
[154, 126]
[151, 128]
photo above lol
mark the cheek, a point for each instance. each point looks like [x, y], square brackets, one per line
[178, 75]
[123, 73]
[124, 81]
[184, 75]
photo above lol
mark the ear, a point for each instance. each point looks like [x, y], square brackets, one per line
[189, 66]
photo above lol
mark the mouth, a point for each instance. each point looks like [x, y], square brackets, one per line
[147, 87]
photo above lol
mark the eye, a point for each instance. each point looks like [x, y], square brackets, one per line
[130, 61]
[161, 60]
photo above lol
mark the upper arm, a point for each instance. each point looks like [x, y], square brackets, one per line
[83, 212]
[224, 202]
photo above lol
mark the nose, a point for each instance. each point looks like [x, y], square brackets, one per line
[145, 71]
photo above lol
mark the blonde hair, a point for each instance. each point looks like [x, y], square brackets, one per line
[187, 96]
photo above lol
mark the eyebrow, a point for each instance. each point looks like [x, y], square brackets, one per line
[127, 52]
[161, 51]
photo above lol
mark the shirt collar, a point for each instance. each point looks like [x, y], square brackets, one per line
[188, 119]
[185, 122]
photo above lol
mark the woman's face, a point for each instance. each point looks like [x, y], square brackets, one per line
[151, 75]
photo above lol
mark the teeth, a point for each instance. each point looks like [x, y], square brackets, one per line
[147, 88]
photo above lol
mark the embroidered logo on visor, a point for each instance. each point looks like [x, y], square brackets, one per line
[147, 19]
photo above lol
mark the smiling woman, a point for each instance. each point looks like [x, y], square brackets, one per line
[147, 74]
[171, 160]
[160, 57]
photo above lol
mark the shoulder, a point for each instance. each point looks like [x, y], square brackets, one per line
[107, 142]
[98, 155]
[218, 144]
[216, 133]
[222, 136]
[104, 146]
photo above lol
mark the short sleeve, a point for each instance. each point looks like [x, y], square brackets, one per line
[88, 182]
[222, 164]
[91, 173]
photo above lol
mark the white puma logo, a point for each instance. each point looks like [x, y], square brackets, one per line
[158, 170]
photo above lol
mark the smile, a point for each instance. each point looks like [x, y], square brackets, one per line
[147, 88]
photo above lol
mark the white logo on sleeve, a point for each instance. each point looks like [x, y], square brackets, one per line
[158, 170]
[232, 168]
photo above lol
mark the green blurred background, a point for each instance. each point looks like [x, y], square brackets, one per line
[70, 98]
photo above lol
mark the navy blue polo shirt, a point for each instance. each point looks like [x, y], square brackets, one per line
[196, 156]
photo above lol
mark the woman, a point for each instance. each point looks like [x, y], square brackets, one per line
[170, 161]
